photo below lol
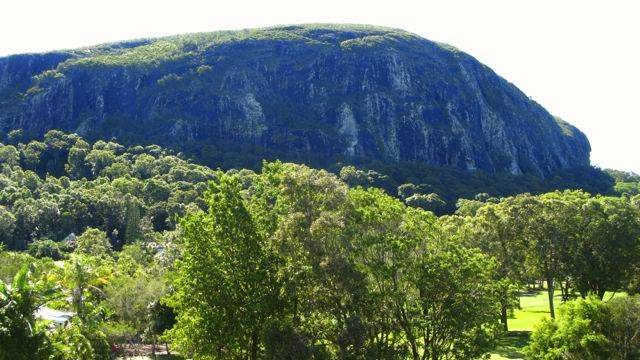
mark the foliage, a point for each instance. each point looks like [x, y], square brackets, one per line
[317, 276]
[62, 186]
[19, 336]
[294, 262]
[583, 244]
[129, 297]
[93, 242]
[45, 248]
[590, 329]
[225, 288]
[78, 341]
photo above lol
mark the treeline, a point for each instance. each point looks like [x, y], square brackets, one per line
[439, 189]
[627, 183]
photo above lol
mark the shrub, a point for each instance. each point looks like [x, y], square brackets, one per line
[590, 329]
[45, 248]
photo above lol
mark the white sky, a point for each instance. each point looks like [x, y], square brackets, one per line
[579, 59]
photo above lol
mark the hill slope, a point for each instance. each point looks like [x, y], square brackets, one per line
[317, 94]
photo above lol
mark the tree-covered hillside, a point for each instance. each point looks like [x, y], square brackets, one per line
[63, 185]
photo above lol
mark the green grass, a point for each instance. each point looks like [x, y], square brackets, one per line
[534, 307]
[510, 346]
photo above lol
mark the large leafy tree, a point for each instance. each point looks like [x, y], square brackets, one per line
[494, 231]
[225, 287]
[324, 291]
[607, 245]
[437, 296]
[548, 232]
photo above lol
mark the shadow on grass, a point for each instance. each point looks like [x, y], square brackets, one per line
[545, 311]
[529, 293]
[512, 344]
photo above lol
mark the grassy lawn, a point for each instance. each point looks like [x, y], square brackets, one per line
[534, 307]
[510, 347]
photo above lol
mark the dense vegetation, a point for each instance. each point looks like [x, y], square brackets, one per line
[292, 262]
[438, 189]
[61, 186]
[591, 329]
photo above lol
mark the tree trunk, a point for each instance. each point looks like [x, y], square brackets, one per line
[166, 347]
[503, 317]
[563, 291]
[153, 346]
[567, 288]
[254, 345]
[550, 292]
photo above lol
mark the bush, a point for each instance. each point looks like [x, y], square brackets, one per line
[93, 242]
[590, 329]
[45, 248]
[79, 341]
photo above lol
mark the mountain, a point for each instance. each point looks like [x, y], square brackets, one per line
[318, 94]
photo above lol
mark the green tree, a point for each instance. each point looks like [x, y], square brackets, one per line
[607, 245]
[224, 291]
[19, 336]
[31, 155]
[93, 242]
[430, 202]
[161, 318]
[45, 248]
[69, 343]
[455, 309]
[493, 231]
[9, 155]
[99, 159]
[418, 278]
[129, 297]
[77, 166]
[132, 230]
[7, 225]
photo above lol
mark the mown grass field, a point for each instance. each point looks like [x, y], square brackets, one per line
[534, 307]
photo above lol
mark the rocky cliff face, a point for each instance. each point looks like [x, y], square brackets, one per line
[314, 93]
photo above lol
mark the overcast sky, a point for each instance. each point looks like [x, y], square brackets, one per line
[579, 59]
